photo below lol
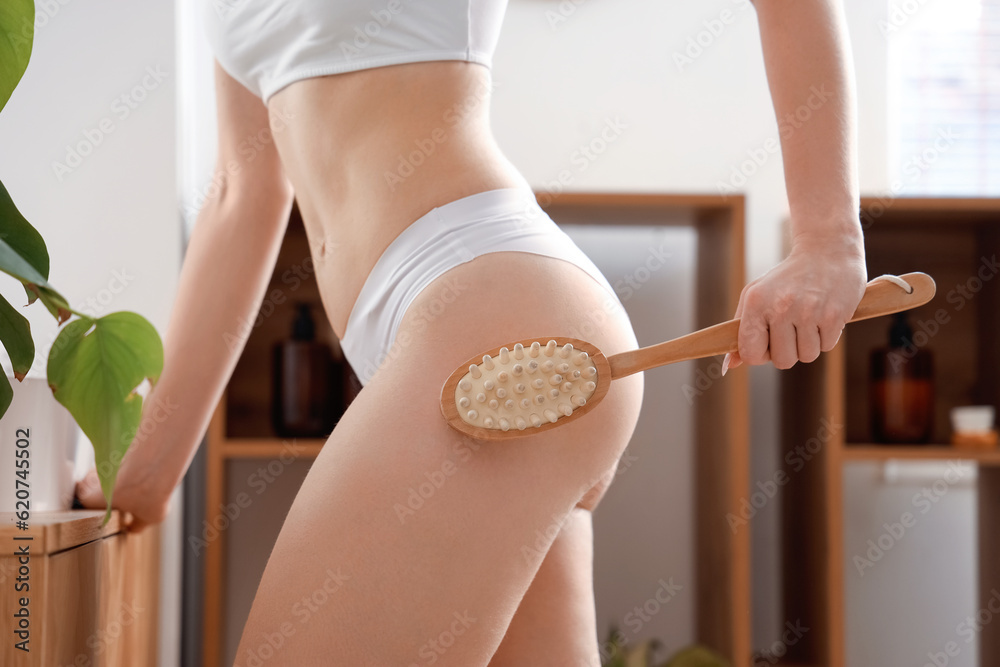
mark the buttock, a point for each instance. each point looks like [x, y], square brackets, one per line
[502, 220]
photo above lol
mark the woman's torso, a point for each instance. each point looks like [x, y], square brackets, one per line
[370, 151]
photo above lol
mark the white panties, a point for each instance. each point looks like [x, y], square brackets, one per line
[508, 219]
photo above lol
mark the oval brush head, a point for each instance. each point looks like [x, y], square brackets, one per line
[525, 387]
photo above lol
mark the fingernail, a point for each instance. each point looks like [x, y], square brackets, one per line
[725, 363]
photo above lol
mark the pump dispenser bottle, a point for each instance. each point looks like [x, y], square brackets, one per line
[902, 388]
[304, 401]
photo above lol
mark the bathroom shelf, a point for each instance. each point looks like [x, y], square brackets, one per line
[947, 238]
[246, 448]
[241, 429]
[919, 453]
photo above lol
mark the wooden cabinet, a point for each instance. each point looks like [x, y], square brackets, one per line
[93, 592]
[957, 241]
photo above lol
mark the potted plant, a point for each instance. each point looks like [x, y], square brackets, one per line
[95, 364]
[619, 654]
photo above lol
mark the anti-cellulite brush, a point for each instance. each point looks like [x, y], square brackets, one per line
[530, 386]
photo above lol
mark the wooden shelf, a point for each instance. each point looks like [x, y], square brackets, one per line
[947, 238]
[919, 453]
[268, 448]
[51, 532]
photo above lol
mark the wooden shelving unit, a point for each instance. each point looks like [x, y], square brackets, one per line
[722, 458]
[268, 449]
[241, 425]
[862, 452]
[946, 238]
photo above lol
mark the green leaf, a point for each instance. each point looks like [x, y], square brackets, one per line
[17, 32]
[94, 367]
[22, 245]
[15, 333]
[6, 394]
[697, 656]
[21, 236]
[53, 302]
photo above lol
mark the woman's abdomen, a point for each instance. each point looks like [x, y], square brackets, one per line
[370, 152]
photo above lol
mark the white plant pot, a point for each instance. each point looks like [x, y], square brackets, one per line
[51, 443]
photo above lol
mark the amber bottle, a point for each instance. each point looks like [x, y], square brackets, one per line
[902, 388]
[306, 400]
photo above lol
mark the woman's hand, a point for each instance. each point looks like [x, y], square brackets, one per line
[799, 308]
[134, 494]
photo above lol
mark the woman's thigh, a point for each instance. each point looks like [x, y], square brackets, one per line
[555, 623]
[409, 543]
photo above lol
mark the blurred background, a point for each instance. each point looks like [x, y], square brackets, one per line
[684, 86]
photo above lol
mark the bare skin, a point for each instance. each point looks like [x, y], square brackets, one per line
[343, 149]
[507, 538]
[478, 541]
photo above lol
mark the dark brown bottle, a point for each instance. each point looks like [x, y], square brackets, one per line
[306, 401]
[902, 388]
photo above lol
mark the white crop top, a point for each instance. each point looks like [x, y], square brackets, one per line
[268, 44]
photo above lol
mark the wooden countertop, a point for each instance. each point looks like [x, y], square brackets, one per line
[57, 531]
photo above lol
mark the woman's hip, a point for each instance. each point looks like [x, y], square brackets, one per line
[416, 277]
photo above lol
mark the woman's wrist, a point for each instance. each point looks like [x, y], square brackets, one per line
[143, 475]
[842, 243]
[841, 234]
[141, 490]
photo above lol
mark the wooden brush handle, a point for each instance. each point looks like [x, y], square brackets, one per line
[883, 296]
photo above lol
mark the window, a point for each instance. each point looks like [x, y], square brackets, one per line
[944, 97]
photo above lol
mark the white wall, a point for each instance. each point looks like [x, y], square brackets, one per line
[196, 127]
[910, 564]
[117, 210]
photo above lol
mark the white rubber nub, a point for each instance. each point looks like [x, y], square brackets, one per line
[526, 387]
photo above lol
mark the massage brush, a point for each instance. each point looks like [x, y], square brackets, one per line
[530, 386]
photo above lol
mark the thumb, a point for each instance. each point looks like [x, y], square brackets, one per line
[88, 490]
[134, 524]
[733, 359]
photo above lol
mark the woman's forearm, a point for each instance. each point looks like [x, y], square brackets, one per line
[809, 71]
[227, 267]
